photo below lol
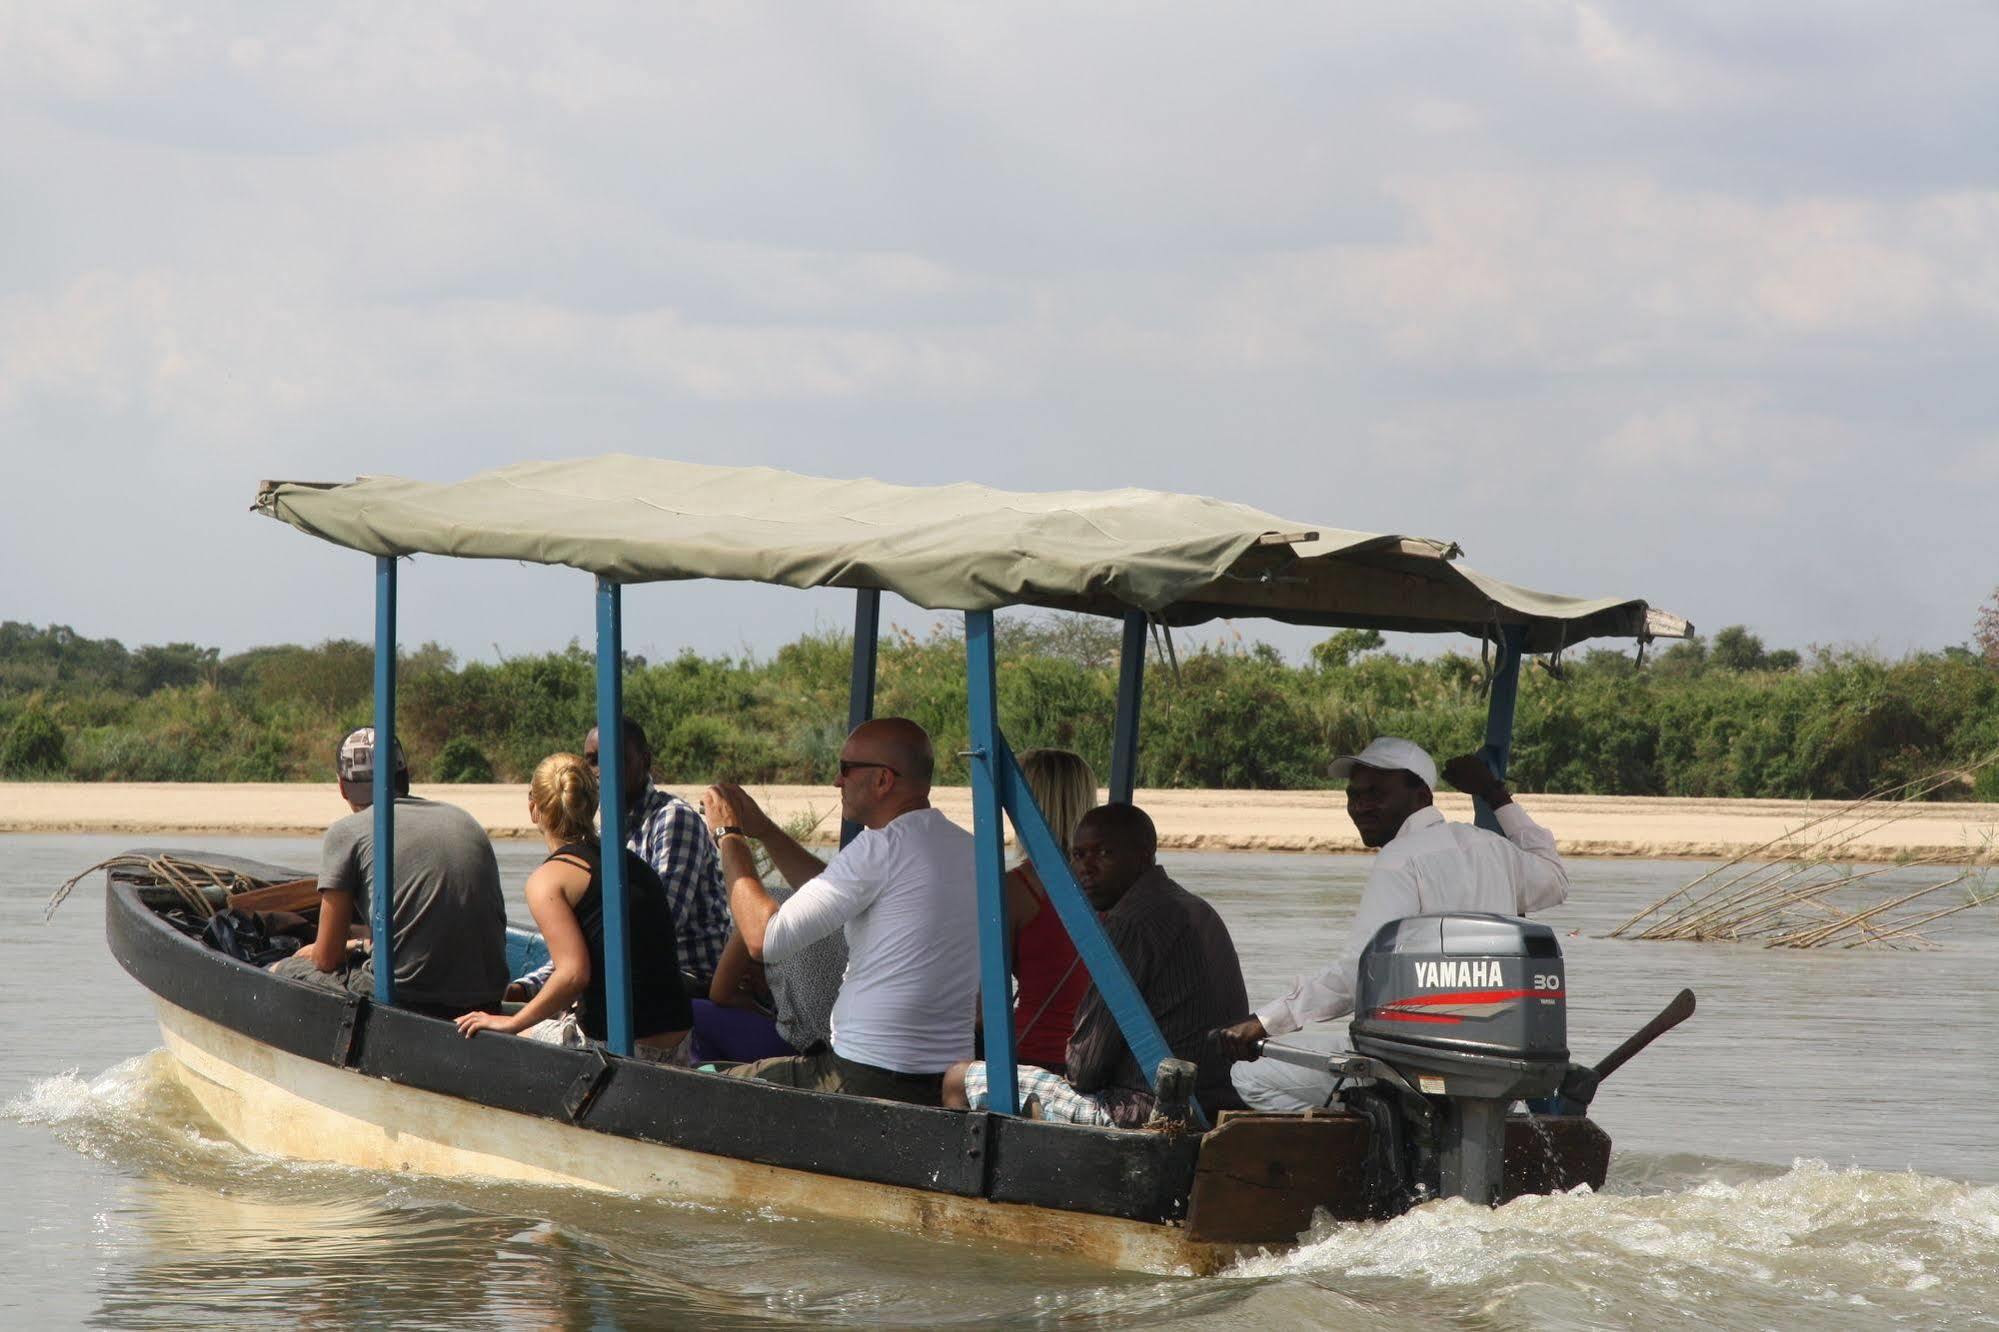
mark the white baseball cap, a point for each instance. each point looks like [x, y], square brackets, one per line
[1389, 754]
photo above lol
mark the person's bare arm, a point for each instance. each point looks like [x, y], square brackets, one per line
[736, 981]
[555, 916]
[728, 805]
[750, 903]
[328, 948]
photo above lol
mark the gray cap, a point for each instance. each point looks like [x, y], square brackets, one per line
[357, 757]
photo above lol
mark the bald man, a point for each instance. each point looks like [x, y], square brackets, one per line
[904, 893]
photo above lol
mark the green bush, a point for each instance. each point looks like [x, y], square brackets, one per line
[1727, 718]
[35, 746]
[1985, 785]
[461, 760]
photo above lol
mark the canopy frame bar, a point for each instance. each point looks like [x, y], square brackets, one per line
[1130, 699]
[611, 801]
[1498, 749]
[381, 922]
[995, 975]
[861, 682]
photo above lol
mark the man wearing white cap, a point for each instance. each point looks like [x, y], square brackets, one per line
[1426, 865]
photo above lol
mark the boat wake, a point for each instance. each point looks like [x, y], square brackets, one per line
[1723, 1241]
[135, 1108]
[1726, 1243]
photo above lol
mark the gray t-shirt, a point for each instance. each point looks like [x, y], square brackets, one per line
[449, 917]
[803, 988]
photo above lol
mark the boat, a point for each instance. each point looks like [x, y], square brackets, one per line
[296, 1071]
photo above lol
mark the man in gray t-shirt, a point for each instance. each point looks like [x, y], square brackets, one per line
[449, 919]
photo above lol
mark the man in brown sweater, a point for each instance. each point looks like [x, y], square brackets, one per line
[1180, 957]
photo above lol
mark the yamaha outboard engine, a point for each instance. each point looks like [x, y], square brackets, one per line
[1466, 1014]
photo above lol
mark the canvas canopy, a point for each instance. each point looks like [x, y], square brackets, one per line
[1183, 559]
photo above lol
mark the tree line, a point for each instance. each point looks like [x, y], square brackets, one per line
[1720, 716]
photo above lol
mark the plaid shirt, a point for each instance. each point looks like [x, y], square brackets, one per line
[670, 836]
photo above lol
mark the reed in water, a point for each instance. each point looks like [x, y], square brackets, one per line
[1779, 894]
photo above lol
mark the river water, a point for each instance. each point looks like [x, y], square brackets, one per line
[1817, 1147]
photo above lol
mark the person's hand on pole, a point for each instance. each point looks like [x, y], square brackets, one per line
[1469, 773]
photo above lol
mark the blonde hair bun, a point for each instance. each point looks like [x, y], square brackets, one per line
[563, 792]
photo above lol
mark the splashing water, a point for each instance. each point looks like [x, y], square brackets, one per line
[1728, 1243]
[1864, 1244]
[139, 1101]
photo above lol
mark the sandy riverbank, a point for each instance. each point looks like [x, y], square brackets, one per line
[1188, 820]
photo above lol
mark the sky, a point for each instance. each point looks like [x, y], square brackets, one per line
[1696, 303]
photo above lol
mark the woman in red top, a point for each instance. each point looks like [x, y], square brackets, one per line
[1049, 979]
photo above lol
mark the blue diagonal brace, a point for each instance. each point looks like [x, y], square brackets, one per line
[1079, 918]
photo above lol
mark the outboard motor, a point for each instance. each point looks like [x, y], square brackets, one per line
[1459, 1015]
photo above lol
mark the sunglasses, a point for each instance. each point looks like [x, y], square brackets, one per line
[847, 766]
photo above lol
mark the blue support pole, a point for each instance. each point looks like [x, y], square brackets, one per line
[381, 904]
[1130, 691]
[1498, 749]
[1079, 918]
[861, 687]
[996, 999]
[611, 799]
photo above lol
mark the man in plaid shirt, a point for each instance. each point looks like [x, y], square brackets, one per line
[668, 834]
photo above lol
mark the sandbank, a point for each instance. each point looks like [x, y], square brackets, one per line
[1306, 821]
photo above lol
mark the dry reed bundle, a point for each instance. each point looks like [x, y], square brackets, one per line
[186, 878]
[1777, 894]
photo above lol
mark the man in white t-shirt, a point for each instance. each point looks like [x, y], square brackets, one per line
[905, 893]
[1426, 865]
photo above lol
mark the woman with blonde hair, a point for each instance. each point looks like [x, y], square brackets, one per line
[565, 893]
[1049, 980]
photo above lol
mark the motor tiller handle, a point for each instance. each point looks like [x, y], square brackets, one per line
[1671, 1016]
[1580, 1083]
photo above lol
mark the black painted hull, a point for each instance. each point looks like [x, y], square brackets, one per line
[1255, 1180]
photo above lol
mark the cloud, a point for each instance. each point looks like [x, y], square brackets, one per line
[1560, 273]
[91, 50]
[1629, 65]
[1464, 269]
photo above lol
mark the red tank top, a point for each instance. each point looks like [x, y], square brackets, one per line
[1043, 959]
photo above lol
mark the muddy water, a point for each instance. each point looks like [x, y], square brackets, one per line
[1818, 1147]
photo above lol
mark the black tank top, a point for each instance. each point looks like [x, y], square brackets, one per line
[659, 995]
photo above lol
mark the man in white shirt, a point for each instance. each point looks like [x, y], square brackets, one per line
[904, 891]
[1426, 865]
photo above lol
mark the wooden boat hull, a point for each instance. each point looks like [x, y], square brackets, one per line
[293, 1070]
[281, 1105]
